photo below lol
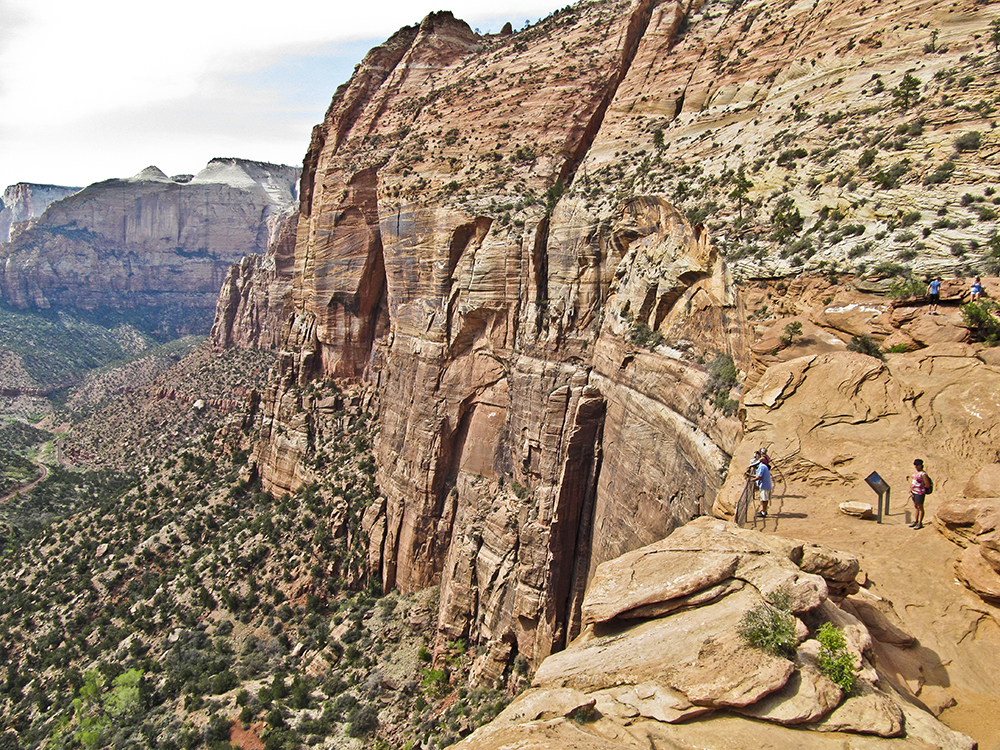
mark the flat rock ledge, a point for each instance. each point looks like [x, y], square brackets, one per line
[660, 663]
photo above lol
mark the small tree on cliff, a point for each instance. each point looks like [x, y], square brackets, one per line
[741, 186]
[907, 92]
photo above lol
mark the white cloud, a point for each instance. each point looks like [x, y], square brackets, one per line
[85, 87]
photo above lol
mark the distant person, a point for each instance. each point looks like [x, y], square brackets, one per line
[764, 458]
[977, 289]
[934, 294]
[762, 478]
[920, 485]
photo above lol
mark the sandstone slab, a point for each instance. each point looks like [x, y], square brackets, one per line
[870, 712]
[662, 575]
[696, 653]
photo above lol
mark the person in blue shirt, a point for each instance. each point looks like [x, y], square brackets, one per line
[977, 289]
[934, 294]
[762, 478]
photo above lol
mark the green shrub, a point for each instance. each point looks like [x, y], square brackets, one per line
[791, 331]
[835, 661]
[363, 721]
[723, 377]
[943, 173]
[909, 287]
[863, 344]
[968, 141]
[770, 627]
[641, 334]
[980, 318]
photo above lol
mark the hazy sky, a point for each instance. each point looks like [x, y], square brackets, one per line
[105, 88]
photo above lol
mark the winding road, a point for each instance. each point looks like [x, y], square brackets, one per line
[26, 487]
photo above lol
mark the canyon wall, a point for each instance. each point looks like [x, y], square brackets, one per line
[149, 242]
[516, 243]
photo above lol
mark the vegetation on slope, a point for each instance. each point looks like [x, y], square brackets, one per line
[193, 609]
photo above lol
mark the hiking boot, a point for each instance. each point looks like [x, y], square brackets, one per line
[918, 526]
[761, 514]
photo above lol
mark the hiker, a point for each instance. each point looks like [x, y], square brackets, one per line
[934, 293]
[764, 458]
[977, 289]
[762, 478]
[920, 487]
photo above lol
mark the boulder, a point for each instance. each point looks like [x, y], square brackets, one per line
[807, 696]
[857, 509]
[869, 712]
[984, 483]
[832, 564]
[694, 652]
[965, 519]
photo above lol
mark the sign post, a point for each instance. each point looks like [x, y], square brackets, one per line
[881, 489]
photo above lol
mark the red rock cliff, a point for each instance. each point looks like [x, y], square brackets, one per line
[489, 239]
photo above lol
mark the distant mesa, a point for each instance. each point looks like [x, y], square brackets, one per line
[154, 246]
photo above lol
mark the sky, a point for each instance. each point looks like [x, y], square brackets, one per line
[104, 88]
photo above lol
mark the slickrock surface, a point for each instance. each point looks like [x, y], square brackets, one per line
[674, 679]
[149, 241]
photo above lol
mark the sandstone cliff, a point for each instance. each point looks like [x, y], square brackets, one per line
[26, 201]
[149, 242]
[525, 246]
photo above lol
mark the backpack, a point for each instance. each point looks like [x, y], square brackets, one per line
[928, 484]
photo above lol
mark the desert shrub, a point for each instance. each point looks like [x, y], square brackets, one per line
[980, 318]
[864, 344]
[967, 141]
[941, 174]
[770, 627]
[888, 269]
[897, 349]
[835, 661]
[363, 721]
[786, 219]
